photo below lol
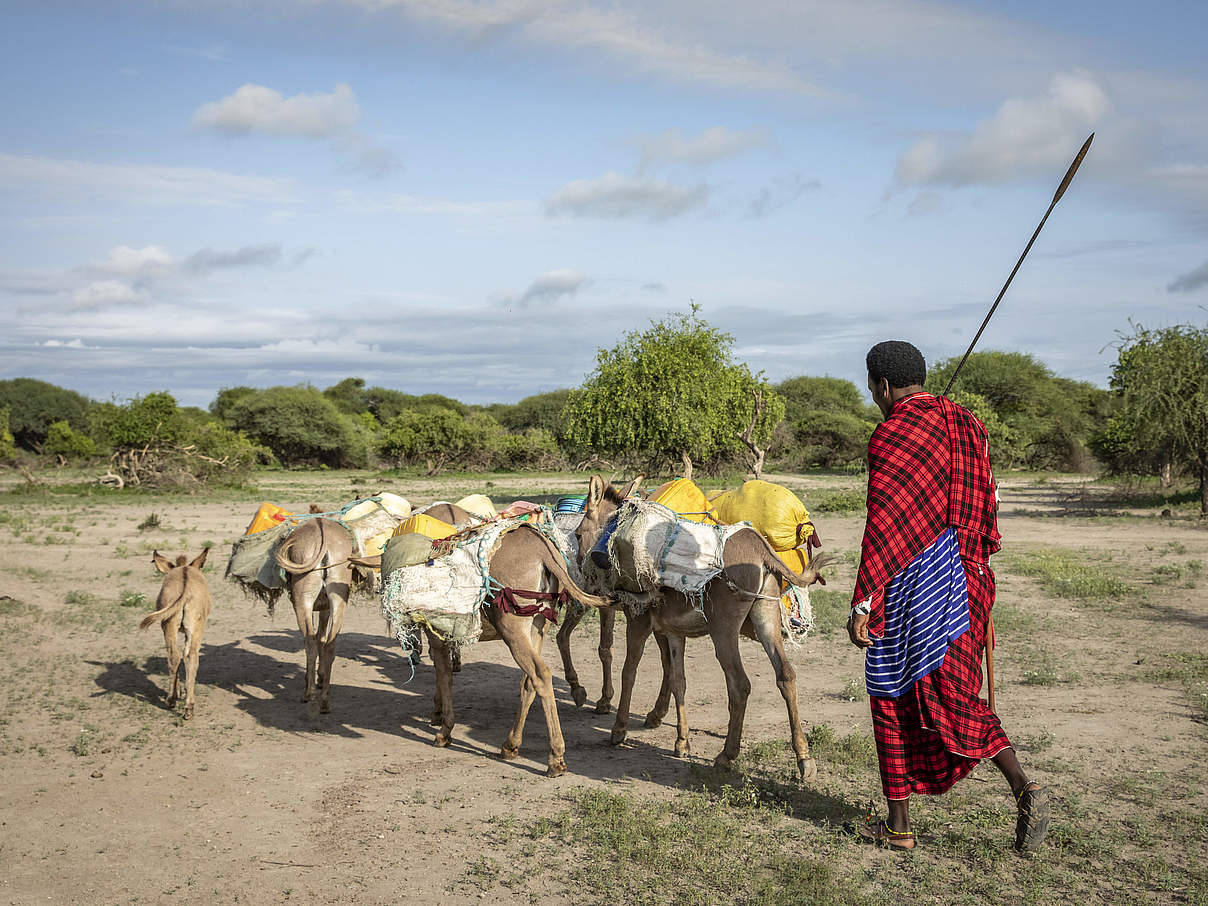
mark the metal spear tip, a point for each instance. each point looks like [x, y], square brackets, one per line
[1069, 174]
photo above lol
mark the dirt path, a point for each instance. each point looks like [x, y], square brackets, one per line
[109, 798]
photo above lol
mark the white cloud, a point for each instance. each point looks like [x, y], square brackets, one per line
[549, 286]
[1190, 281]
[257, 108]
[77, 343]
[617, 196]
[104, 293]
[1025, 135]
[365, 202]
[717, 143]
[138, 183]
[568, 25]
[260, 109]
[127, 261]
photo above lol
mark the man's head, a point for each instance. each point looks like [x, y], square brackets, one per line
[894, 365]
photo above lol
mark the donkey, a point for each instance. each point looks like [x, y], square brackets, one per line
[525, 560]
[316, 557]
[744, 598]
[608, 618]
[183, 605]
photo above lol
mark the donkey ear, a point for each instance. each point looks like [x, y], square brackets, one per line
[162, 563]
[201, 559]
[595, 493]
[627, 491]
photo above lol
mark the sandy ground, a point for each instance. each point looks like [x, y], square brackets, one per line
[107, 797]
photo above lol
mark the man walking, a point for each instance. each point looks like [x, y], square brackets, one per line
[923, 596]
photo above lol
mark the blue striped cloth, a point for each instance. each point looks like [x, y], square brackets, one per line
[926, 605]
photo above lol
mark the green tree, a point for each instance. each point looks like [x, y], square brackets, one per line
[35, 405]
[1161, 380]
[671, 392]
[301, 426]
[63, 440]
[8, 446]
[226, 399]
[828, 421]
[349, 395]
[434, 436]
[542, 410]
[149, 420]
[1051, 419]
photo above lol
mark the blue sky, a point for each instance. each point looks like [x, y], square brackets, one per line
[470, 198]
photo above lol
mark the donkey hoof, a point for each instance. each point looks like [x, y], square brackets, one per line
[557, 769]
[441, 740]
[617, 737]
[603, 706]
[653, 721]
[436, 720]
[682, 749]
[171, 702]
[507, 753]
[807, 768]
[722, 761]
[188, 712]
[579, 694]
[325, 708]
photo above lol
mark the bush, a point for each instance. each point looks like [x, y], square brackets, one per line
[35, 405]
[8, 446]
[301, 427]
[61, 440]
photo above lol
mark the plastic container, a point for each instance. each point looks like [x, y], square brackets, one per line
[425, 525]
[268, 516]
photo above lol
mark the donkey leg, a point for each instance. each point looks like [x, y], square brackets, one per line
[444, 688]
[659, 711]
[538, 673]
[637, 630]
[173, 646]
[738, 687]
[569, 621]
[679, 687]
[192, 655]
[765, 617]
[329, 629]
[304, 601]
[608, 622]
[528, 692]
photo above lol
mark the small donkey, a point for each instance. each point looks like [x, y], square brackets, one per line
[183, 606]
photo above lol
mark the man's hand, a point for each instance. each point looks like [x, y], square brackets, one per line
[857, 630]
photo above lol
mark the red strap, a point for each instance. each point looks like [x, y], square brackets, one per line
[505, 600]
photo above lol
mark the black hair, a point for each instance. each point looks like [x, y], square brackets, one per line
[898, 362]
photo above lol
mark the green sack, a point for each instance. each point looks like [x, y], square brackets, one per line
[409, 549]
[253, 560]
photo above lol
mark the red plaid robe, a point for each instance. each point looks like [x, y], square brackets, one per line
[928, 468]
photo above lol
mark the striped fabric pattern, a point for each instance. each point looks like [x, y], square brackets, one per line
[926, 605]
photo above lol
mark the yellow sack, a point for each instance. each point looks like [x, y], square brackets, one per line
[425, 525]
[268, 516]
[684, 497]
[478, 505]
[776, 512]
[795, 559]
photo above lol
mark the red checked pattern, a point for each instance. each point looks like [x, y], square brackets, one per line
[934, 734]
[928, 468]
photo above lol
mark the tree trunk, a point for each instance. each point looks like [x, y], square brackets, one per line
[757, 466]
[1203, 490]
[1165, 475]
[687, 461]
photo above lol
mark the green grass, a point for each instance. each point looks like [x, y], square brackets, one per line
[695, 849]
[132, 599]
[853, 750]
[150, 522]
[1191, 671]
[1169, 573]
[830, 609]
[836, 501]
[1067, 574]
